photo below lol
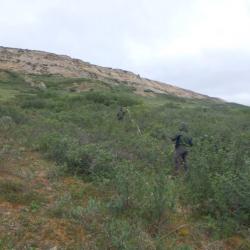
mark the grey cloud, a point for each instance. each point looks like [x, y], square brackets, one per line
[100, 32]
[224, 74]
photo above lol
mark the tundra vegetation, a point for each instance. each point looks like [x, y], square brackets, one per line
[74, 177]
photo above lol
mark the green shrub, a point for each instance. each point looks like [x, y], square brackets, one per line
[36, 103]
[219, 179]
[126, 183]
[149, 194]
[6, 122]
[55, 147]
[231, 195]
[78, 159]
[109, 98]
[163, 197]
[11, 77]
[88, 159]
[16, 114]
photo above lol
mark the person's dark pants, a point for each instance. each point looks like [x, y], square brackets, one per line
[180, 158]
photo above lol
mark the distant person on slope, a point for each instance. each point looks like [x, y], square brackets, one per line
[182, 142]
[121, 113]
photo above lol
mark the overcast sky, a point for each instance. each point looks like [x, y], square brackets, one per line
[201, 45]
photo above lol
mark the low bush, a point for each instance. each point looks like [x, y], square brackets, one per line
[88, 159]
[16, 114]
[150, 194]
[219, 180]
[34, 103]
[79, 159]
[109, 98]
[55, 146]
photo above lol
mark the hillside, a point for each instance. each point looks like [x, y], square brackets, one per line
[73, 176]
[43, 63]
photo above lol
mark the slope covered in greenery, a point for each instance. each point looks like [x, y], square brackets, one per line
[68, 165]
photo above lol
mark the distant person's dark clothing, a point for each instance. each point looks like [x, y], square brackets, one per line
[120, 114]
[180, 158]
[182, 142]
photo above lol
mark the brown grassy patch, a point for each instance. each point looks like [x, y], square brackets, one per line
[17, 192]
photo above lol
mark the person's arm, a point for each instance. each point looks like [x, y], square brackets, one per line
[190, 142]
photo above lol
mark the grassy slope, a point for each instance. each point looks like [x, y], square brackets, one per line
[74, 177]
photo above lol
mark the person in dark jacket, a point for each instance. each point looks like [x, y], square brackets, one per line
[182, 143]
[121, 113]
